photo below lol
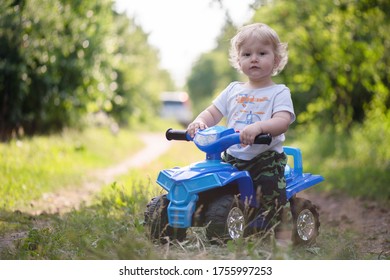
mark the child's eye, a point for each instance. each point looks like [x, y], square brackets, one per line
[246, 54]
[262, 53]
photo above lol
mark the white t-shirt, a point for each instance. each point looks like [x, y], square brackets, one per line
[243, 106]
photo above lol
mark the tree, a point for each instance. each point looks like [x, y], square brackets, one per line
[57, 47]
[339, 52]
[61, 60]
[139, 80]
[212, 72]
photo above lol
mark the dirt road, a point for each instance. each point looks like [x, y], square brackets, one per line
[66, 200]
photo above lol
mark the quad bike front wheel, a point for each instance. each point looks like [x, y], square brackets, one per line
[306, 222]
[225, 219]
[156, 221]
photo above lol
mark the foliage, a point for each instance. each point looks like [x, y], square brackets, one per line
[356, 164]
[339, 52]
[338, 58]
[138, 79]
[60, 60]
[212, 72]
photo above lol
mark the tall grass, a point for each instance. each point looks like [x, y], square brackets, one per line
[356, 163]
[109, 229]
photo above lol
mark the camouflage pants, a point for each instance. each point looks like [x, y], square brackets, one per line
[267, 173]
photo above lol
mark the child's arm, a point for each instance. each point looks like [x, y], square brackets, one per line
[275, 126]
[209, 117]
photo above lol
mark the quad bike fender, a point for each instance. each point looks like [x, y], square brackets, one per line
[302, 182]
[184, 184]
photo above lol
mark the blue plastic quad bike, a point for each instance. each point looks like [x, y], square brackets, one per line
[219, 197]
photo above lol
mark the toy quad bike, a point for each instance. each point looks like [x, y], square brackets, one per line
[216, 195]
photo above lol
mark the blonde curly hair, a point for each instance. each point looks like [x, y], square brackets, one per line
[264, 33]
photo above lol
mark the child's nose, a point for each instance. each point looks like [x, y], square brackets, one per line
[254, 57]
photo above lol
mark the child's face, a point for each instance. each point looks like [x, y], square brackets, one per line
[257, 60]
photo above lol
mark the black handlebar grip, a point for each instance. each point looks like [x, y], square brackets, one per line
[180, 135]
[263, 139]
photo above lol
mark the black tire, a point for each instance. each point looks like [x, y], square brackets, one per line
[306, 223]
[156, 221]
[220, 214]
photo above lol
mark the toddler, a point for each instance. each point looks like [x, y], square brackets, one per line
[254, 107]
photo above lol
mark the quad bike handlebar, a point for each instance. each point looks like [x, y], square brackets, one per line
[182, 135]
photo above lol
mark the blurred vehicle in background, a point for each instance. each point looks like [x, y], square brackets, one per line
[176, 106]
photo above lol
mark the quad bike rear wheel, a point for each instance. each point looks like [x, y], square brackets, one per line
[156, 221]
[306, 221]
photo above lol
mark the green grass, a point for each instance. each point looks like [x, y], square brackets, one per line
[30, 167]
[351, 163]
[112, 227]
[107, 230]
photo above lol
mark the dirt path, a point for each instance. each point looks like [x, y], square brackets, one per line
[65, 200]
[367, 218]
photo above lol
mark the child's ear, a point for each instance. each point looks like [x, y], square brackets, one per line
[276, 61]
[238, 65]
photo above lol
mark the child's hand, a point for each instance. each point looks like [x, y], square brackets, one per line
[194, 127]
[248, 134]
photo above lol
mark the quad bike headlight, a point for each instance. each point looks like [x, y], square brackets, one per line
[205, 139]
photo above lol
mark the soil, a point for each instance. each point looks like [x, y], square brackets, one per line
[369, 219]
